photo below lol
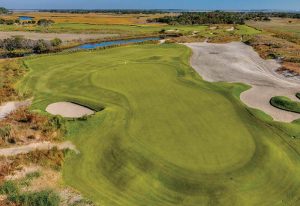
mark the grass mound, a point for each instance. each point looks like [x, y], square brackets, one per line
[165, 136]
[285, 104]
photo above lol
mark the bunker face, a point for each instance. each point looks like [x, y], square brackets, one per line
[68, 109]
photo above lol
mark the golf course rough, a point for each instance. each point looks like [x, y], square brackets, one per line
[165, 137]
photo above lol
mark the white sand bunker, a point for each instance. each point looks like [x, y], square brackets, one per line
[68, 109]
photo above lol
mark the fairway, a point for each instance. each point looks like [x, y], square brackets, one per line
[165, 137]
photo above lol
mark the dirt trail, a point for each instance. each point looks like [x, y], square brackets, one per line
[24, 149]
[237, 62]
[10, 107]
[50, 36]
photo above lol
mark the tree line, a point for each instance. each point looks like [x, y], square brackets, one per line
[13, 44]
[41, 22]
[220, 17]
[115, 11]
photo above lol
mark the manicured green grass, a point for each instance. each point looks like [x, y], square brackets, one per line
[285, 104]
[246, 30]
[96, 28]
[165, 137]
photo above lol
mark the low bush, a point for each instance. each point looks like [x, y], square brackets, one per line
[56, 42]
[43, 198]
[5, 132]
[9, 187]
[285, 103]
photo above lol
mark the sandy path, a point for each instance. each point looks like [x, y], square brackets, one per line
[68, 109]
[237, 62]
[50, 36]
[10, 107]
[24, 149]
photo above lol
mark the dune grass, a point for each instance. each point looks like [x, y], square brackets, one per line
[165, 137]
[285, 104]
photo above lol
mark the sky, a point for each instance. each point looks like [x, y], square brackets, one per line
[153, 4]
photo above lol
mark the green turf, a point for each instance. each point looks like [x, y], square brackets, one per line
[285, 104]
[246, 30]
[125, 29]
[96, 28]
[165, 137]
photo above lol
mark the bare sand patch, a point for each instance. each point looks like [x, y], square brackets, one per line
[237, 62]
[24, 149]
[69, 110]
[9, 107]
[49, 36]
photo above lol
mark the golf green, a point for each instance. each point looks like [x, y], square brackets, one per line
[165, 136]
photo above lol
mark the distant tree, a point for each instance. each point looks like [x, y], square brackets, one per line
[12, 44]
[162, 31]
[41, 46]
[3, 10]
[45, 22]
[9, 22]
[56, 42]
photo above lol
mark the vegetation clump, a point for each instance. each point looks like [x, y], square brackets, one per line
[45, 22]
[216, 17]
[18, 46]
[42, 198]
[285, 103]
[3, 10]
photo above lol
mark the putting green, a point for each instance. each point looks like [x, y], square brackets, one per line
[165, 136]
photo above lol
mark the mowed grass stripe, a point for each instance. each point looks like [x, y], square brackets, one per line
[165, 136]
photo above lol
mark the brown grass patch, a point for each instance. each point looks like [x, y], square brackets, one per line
[23, 126]
[269, 46]
[10, 71]
[91, 18]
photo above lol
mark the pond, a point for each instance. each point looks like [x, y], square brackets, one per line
[25, 18]
[117, 42]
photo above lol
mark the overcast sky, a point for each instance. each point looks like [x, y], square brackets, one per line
[152, 4]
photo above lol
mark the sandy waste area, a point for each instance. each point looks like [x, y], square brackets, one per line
[238, 62]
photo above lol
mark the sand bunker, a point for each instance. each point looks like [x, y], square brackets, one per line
[237, 62]
[68, 109]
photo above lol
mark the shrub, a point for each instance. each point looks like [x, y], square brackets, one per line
[45, 22]
[5, 132]
[9, 188]
[41, 46]
[56, 42]
[9, 22]
[57, 122]
[43, 198]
